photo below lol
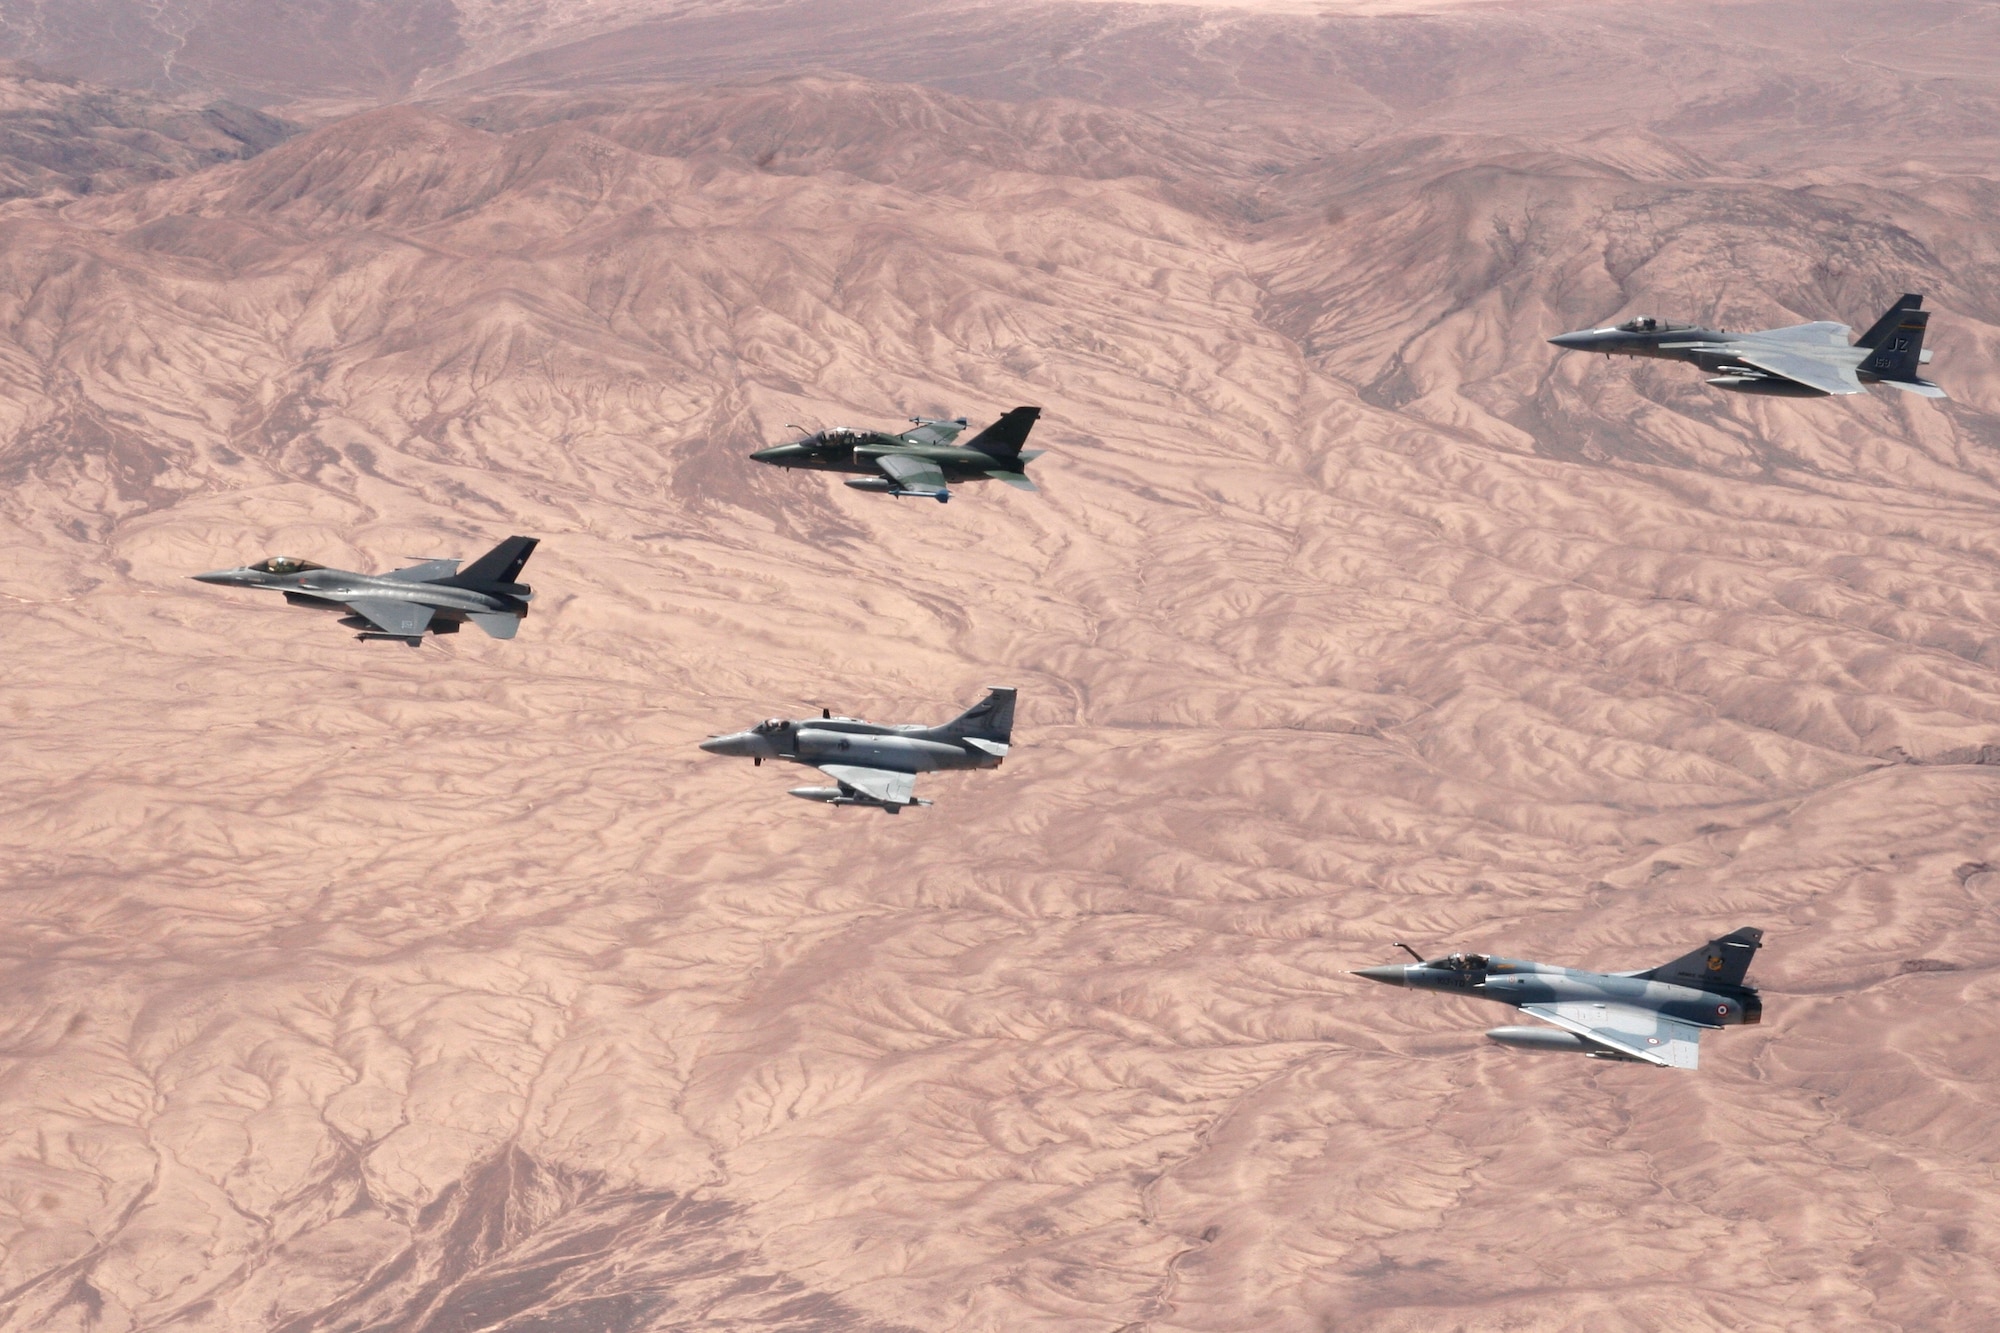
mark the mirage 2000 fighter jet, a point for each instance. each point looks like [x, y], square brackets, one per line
[435, 596]
[874, 763]
[1799, 361]
[918, 461]
[1656, 1016]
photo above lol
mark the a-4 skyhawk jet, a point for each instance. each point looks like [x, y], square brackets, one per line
[1799, 361]
[876, 764]
[1655, 1017]
[920, 461]
[435, 597]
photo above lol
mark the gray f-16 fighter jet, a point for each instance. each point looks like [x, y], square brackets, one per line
[1656, 1016]
[435, 596]
[1801, 361]
[874, 763]
[919, 461]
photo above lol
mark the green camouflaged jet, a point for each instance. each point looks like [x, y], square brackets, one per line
[921, 461]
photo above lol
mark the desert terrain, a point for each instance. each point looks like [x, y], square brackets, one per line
[349, 987]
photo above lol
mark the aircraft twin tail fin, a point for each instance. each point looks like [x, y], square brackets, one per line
[1891, 317]
[1895, 345]
[1901, 350]
[1718, 965]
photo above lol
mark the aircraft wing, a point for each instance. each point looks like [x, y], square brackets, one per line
[1820, 333]
[427, 572]
[1801, 368]
[912, 474]
[392, 616]
[879, 783]
[932, 432]
[1628, 1030]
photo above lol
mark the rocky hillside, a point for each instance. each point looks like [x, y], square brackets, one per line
[348, 987]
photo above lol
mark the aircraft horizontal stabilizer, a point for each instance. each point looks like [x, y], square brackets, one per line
[497, 624]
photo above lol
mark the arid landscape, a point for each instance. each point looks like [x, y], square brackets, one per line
[347, 987]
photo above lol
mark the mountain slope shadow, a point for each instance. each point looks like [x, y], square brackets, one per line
[526, 1245]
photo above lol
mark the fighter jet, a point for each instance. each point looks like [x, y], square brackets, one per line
[920, 461]
[435, 596]
[1652, 1017]
[1800, 361]
[873, 763]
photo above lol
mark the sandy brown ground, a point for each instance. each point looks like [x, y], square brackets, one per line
[347, 987]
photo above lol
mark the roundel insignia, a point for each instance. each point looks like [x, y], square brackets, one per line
[1721, 1008]
[1715, 962]
[1652, 1041]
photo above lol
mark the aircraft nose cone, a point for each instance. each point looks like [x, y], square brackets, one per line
[736, 743]
[1573, 341]
[222, 576]
[780, 454]
[1390, 974]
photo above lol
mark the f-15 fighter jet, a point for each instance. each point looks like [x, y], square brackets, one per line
[877, 764]
[1800, 361]
[919, 461]
[1656, 1016]
[435, 596]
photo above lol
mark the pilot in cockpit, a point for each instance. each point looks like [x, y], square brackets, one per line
[1460, 962]
[284, 564]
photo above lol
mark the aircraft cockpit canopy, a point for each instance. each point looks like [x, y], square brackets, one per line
[284, 564]
[1459, 962]
[1643, 324]
[769, 725]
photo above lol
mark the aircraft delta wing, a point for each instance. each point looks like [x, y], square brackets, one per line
[433, 596]
[1653, 1017]
[1798, 361]
[891, 791]
[1641, 1034]
[876, 764]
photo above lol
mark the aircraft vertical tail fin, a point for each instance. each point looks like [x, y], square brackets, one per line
[1901, 349]
[502, 564]
[991, 719]
[1717, 965]
[1893, 316]
[1004, 438]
